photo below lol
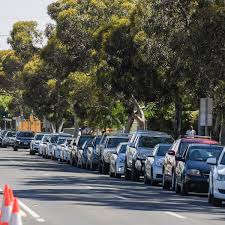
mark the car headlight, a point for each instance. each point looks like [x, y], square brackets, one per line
[141, 155]
[220, 177]
[194, 172]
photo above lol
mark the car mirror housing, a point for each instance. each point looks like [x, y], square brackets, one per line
[171, 152]
[211, 161]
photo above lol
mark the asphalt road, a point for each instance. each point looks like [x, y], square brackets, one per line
[54, 193]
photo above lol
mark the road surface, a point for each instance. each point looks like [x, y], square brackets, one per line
[54, 193]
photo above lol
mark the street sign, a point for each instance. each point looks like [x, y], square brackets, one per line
[206, 110]
[7, 119]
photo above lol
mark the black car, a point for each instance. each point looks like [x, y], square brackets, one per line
[23, 140]
[192, 171]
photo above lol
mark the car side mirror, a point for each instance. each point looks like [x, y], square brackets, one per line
[211, 161]
[171, 152]
[179, 158]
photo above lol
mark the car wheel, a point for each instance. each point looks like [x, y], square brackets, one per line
[183, 188]
[104, 168]
[146, 180]
[216, 202]
[209, 196]
[134, 174]
[15, 149]
[32, 153]
[127, 173]
[173, 181]
[165, 184]
[110, 173]
[177, 187]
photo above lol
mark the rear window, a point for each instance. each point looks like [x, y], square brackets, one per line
[223, 159]
[25, 134]
[151, 142]
[202, 153]
[83, 139]
[123, 149]
[163, 150]
[38, 137]
[114, 142]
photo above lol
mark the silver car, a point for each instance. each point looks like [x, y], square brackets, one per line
[154, 164]
[35, 144]
[117, 159]
[9, 139]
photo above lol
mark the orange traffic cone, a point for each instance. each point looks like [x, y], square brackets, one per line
[11, 195]
[16, 215]
[6, 208]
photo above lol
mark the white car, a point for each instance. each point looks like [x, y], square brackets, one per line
[67, 151]
[216, 193]
[154, 164]
[43, 144]
[116, 166]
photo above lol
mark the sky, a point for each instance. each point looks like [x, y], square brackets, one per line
[12, 11]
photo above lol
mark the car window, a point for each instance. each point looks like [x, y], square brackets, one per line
[61, 141]
[123, 149]
[83, 139]
[38, 137]
[223, 160]
[25, 134]
[202, 153]
[113, 142]
[163, 150]
[151, 142]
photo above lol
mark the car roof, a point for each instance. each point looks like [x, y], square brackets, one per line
[204, 145]
[152, 132]
[199, 140]
[117, 137]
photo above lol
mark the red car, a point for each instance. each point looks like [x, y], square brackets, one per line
[176, 151]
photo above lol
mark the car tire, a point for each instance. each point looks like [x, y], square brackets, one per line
[104, 168]
[146, 180]
[216, 202]
[127, 174]
[134, 174]
[183, 188]
[173, 180]
[15, 149]
[32, 153]
[110, 173]
[177, 187]
[165, 184]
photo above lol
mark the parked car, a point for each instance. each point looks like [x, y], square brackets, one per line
[192, 170]
[177, 150]
[117, 159]
[82, 154]
[43, 144]
[23, 140]
[2, 134]
[51, 145]
[108, 148]
[9, 139]
[92, 156]
[61, 145]
[78, 145]
[139, 148]
[35, 143]
[154, 164]
[216, 192]
[68, 150]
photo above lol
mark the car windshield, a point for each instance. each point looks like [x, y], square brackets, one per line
[151, 142]
[45, 138]
[83, 139]
[202, 153]
[223, 160]
[163, 150]
[61, 141]
[113, 142]
[68, 141]
[11, 134]
[54, 139]
[123, 149]
[97, 141]
[25, 134]
[38, 137]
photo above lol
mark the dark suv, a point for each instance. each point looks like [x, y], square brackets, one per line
[23, 140]
[177, 150]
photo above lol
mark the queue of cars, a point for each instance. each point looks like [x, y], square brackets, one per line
[188, 164]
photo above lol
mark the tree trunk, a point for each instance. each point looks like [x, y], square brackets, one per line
[61, 126]
[178, 115]
[76, 127]
[139, 115]
[129, 123]
[53, 127]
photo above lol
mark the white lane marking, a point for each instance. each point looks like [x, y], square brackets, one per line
[176, 215]
[31, 212]
[23, 214]
[28, 210]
